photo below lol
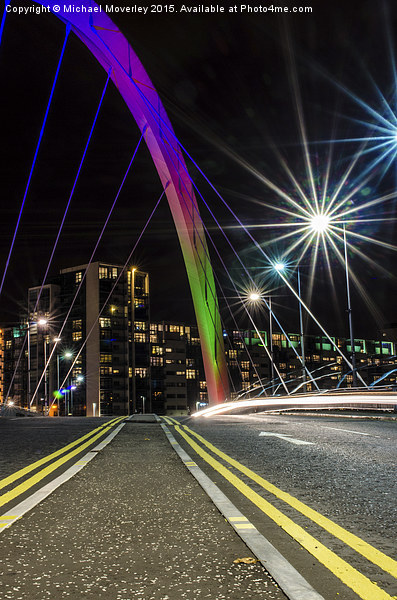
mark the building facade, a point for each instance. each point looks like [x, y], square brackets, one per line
[104, 355]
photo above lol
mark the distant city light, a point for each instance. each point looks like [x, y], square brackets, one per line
[254, 296]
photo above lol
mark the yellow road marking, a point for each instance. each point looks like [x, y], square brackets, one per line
[168, 420]
[244, 526]
[355, 580]
[22, 472]
[22, 487]
[238, 519]
[8, 517]
[375, 556]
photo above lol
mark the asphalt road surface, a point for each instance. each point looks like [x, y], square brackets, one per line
[343, 468]
[322, 490]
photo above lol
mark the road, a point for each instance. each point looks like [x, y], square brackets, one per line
[343, 468]
[322, 490]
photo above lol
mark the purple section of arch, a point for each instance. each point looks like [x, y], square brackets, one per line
[98, 32]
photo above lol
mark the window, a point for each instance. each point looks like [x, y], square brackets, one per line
[77, 335]
[157, 350]
[140, 337]
[191, 374]
[77, 324]
[78, 276]
[156, 361]
[203, 385]
[8, 344]
[141, 372]
[140, 326]
[176, 329]
[245, 365]
[105, 322]
[105, 358]
[168, 350]
[103, 273]
[105, 370]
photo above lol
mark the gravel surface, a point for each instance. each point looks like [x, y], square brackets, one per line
[132, 524]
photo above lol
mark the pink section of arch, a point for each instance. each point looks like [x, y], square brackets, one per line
[98, 32]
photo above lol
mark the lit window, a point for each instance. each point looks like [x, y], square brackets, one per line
[105, 358]
[191, 374]
[156, 361]
[141, 372]
[77, 324]
[105, 370]
[103, 273]
[77, 335]
[140, 337]
[78, 277]
[105, 322]
[157, 350]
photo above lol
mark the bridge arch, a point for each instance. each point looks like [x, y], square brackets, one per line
[112, 50]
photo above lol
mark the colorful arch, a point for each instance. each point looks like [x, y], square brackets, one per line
[112, 50]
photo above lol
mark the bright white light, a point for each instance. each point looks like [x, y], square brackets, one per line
[279, 266]
[42, 322]
[319, 223]
[254, 297]
[306, 400]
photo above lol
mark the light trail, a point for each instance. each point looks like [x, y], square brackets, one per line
[304, 401]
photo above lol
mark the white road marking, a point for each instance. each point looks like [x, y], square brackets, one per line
[286, 437]
[349, 431]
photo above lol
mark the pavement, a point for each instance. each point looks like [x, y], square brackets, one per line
[133, 524]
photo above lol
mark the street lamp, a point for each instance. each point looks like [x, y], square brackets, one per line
[255, 297]
[280, 268]
[349, 312]
[319, 224]
[66, 355]
[132, 344]
[42, 322]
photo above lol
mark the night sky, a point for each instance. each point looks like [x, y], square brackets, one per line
[227, 82]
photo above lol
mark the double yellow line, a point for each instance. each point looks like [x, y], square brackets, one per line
[79, 445]
[360, 584]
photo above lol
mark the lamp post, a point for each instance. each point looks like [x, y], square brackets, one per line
[66, 355]
[301, 333]
[133, 343]
[280, 268]
[42, 322]
[255, 297]
[319, 224]
[349, 312]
